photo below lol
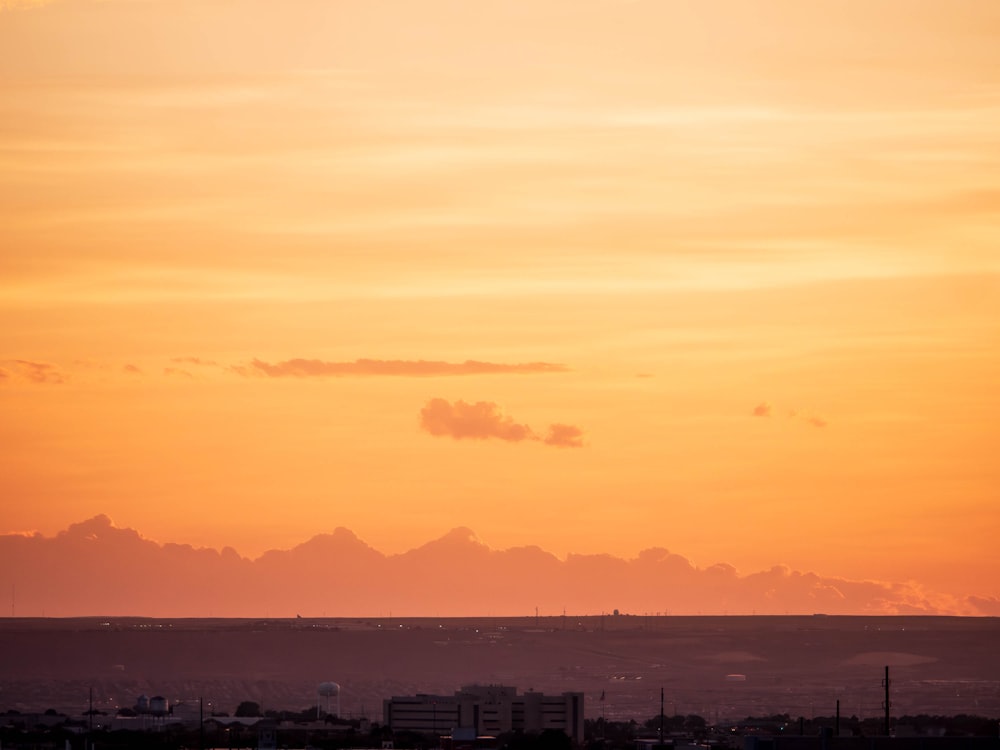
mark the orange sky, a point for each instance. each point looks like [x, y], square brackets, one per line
[730, 271]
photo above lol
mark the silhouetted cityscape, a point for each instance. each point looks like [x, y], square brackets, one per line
[597, 681]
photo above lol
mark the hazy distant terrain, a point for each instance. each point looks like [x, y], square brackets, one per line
[795, 665]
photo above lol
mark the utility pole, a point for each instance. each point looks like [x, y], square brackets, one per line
[661, 718]
[886, 704]
[837, 730]
[604, 719]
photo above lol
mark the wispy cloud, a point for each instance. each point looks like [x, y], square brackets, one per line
[131, 370]
[304, 368]
[484, 420]
[33, 372]
[764, 409]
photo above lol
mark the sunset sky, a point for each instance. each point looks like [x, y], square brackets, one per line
[592, 275]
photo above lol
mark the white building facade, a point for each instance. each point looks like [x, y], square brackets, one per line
[489, 710]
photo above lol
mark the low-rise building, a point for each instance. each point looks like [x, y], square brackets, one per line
[489, 710]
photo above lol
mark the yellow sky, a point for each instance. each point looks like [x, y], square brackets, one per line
[696, 209]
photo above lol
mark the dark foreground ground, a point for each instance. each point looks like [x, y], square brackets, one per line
[717, 667]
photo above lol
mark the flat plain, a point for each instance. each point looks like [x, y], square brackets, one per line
[717, 667]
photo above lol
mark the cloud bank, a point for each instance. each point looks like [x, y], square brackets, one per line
[57, 575]
[483, 420]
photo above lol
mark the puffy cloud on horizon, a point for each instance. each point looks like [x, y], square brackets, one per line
[302, 368]
[584, 578]
[483, 420]
[763, 409]
[989, 606]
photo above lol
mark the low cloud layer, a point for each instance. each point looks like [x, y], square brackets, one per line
[304, 368]
[483, 420]
[52, 575]
[985, 605]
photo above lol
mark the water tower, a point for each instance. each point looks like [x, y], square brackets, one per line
[158, 706]
[328, 699]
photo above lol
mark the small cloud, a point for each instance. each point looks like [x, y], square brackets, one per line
[132, 370]
[564, 436]
[4, 374]
[478, 421]
[174, 371]
[763, 409]
[816, 421]
[483, 420]
[304, 368]
[644, 374]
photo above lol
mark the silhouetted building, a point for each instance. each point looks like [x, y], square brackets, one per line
[489, 710]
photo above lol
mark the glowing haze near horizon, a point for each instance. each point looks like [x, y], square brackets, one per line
[591, 275]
